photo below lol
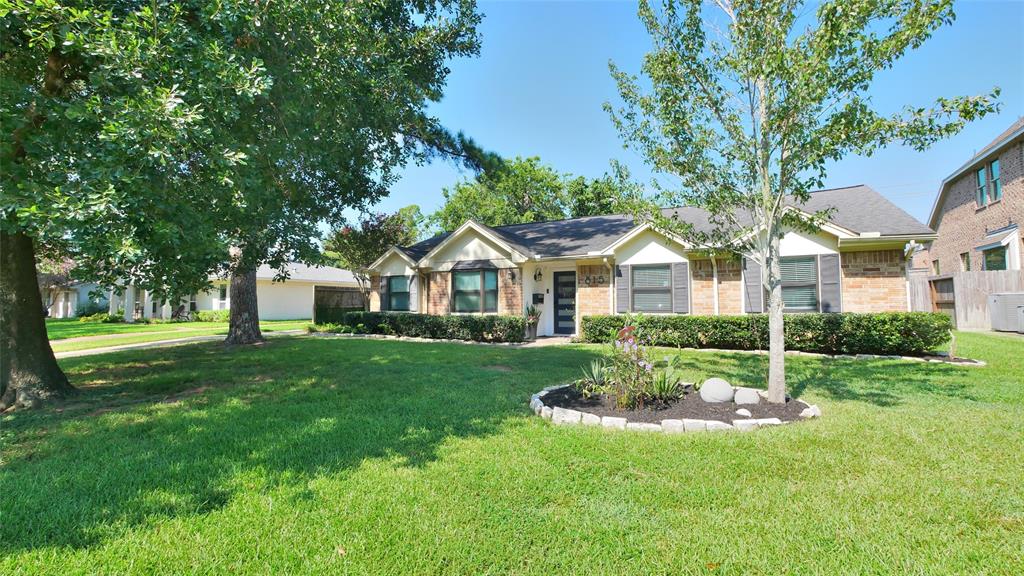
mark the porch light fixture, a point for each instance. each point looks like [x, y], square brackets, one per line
[537, 275]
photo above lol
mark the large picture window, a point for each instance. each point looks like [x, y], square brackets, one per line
[652, 288]
[475, 291]
[800, 284]
[398, 293]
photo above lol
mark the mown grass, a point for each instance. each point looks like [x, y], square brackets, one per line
[139, 333]
[310, 455]
[61, 329]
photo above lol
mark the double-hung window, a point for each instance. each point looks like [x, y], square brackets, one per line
[398, 293]
[994, 185]
[982, 191]
[799, 284]
[652, 288]
[475, 291]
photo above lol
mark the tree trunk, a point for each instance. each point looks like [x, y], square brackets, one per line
[244, 327]
[29, 373]
[776, 333]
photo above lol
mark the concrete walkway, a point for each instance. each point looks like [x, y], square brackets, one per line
[162, 343]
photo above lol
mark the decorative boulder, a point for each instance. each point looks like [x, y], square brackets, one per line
[747, 396]
[743, 412]
[716, 390]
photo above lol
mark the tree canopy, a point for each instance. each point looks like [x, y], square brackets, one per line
[526, 190]
[356, 247]
[747, 102]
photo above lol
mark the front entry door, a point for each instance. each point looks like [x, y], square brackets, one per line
[565, 302]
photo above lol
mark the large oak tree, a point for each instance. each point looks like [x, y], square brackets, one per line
[106, 154]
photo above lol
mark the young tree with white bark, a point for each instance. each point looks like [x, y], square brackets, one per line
[746, 101]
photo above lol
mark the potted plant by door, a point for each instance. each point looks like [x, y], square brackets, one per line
[532, 318]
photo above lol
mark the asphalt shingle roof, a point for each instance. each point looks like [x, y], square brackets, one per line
[856, 208]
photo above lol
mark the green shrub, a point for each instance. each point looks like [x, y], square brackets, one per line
[489, 328]
[331, 315]
[91, 309]
[886, 333]
[212, 315]
[101, 317]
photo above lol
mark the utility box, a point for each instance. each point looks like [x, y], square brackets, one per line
[1004, 310]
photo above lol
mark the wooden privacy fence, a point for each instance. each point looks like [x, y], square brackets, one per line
[329, 302]
[963, 295]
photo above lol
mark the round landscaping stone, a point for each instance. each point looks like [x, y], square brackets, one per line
[747, 396]
[743, 412]
[716, 390]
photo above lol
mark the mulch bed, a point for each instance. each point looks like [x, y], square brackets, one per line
[689, 406]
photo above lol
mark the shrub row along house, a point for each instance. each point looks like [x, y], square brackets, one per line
[569, 269]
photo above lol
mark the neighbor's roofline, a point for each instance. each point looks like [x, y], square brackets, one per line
[974, 161]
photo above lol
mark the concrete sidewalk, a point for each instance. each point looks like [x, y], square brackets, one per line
[163, 344]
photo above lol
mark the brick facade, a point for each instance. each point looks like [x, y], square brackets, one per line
[962, 224]
[375, 292]
[438, 287]
[593, 297]
[874, 281]
[729, 287]
[510, 293]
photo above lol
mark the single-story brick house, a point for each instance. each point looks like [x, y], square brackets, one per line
[573, 268]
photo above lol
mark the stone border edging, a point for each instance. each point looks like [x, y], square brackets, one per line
[566, 416]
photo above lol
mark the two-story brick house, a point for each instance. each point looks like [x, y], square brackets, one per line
[979, 209]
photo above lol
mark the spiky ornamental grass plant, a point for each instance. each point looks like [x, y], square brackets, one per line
[749, 99]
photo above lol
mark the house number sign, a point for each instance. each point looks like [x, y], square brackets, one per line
[595, 280]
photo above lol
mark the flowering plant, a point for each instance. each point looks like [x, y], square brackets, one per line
[630, 371]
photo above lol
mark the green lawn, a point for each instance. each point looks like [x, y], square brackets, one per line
[310, 455]
[67, 335]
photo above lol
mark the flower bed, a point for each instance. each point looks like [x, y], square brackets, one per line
[630, 392]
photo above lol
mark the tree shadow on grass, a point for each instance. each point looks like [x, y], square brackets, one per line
[281, 414]
[879, 382]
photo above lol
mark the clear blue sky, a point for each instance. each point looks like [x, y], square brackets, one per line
[542, 76]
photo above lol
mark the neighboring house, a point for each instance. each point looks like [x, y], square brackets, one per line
[69, 301]
[292, 299]
[608, 264]
[979, 210]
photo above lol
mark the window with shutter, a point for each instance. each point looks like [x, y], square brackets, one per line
[652, 288]
[799, 283]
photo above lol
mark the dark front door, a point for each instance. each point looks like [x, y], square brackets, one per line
[565, 302]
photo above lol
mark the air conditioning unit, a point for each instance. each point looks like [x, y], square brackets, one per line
[1003, 310]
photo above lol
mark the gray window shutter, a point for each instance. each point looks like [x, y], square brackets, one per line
[621, 289]
[753, 294]
[831, 295]
[681, 288]
[384, 299]
[414, 293]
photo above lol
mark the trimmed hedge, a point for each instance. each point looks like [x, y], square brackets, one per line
[212, 315]
[887, 333]
[331, 314]
[488, 328]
